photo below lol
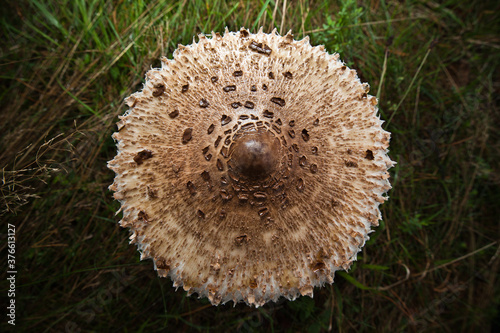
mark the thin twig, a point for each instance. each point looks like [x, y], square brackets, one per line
[369, 23]
[458, 259]
[274, 13]
[382, 76]
[283, 18]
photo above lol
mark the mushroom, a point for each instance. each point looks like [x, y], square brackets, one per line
[250, 167]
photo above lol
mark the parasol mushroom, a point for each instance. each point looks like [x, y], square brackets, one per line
[250, 167]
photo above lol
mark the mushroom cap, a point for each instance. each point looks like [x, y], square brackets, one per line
[250, 167]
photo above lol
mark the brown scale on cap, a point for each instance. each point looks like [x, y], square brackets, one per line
[252, 179]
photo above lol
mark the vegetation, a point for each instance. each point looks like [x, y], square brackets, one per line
[432, 265]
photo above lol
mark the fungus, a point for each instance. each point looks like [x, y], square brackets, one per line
[251, 167]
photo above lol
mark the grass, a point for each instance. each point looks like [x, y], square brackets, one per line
[432, 265]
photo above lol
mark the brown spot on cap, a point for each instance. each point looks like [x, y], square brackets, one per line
[187, 135]
[268, 114]
[225, 195]
[162, 264]
[249, 105]
[351, 164]
[191, 188]
[244, 33]
[253, 284]
[225, 120]
[305, 135]
[369, 155]
[318, 266]
[219, 165]
[229, 88]
[279, 101]
[158, 90]
[276, 129]
[300, 184]
[205, 175]
[143, 216]
[302, 160]
[210, 129]
[224, 152]
[260, 48]
[173, 114]
[152, 193]
[217, 141]
[204, 103]
[260, 196]
[263, 212]
[240, 240]
[243, 197]
[143, 155]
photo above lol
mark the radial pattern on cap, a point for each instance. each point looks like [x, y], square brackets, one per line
[251, 166]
